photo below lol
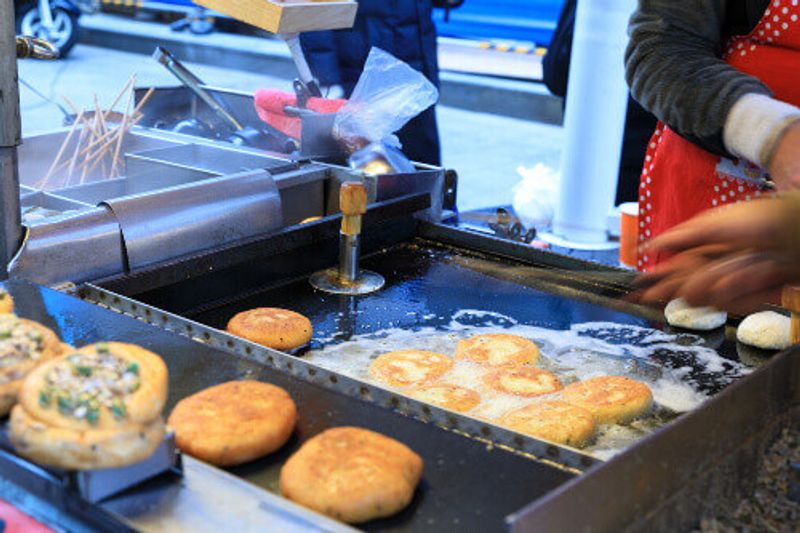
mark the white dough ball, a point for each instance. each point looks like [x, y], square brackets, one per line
[767, 330]
[680, 314]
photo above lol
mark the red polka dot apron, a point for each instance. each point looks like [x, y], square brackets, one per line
[680, 179]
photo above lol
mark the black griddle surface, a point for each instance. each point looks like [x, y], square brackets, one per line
[465, 483]
[426, 284]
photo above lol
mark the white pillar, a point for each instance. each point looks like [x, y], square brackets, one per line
[594, 121]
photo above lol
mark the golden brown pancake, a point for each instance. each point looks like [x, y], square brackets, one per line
[611, 399]
[83, 449]
[24, 345]
[523, 381]
[553, 421]
[497, 349]
[101, 386]
[453, 397]
[234, 422]
[352, 474]
[276, 328]
[409, 367]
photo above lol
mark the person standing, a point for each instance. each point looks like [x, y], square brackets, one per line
[405, 29]
[723, 76]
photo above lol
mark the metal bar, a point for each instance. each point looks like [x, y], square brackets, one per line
[10, 137]
[349, 249]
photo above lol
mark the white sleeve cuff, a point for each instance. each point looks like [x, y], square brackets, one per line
[754, 126]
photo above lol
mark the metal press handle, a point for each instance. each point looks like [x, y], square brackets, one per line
[33, 47]
[353, 204]
[193, 83]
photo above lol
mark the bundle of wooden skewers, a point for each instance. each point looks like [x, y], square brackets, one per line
[95, 141]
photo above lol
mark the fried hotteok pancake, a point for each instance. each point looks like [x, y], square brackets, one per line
[234, 422]
[453, 397]
[97, 407]
[101, 386]
[83, 449]
[409, 367]
[611, 399]
[352, 474]
[24, 345]
[280, 329]
[554, 421]
[497, 349]
[523, 381]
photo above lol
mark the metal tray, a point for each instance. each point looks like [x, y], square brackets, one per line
[38, 151]
[467, 481]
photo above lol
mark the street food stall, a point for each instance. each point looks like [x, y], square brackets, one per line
[195, 231]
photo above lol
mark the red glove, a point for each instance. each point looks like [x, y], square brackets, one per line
[270, 103]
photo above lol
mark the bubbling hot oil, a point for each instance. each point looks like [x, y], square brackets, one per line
[584, 351]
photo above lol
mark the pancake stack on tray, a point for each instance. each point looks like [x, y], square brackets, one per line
[96, 407]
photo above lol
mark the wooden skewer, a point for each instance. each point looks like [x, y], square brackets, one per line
[123, 129]
[95, 125]
[99, 156]
[131, 80]
[85, 130]
[61, 150]
[791, 302]
[144, 100]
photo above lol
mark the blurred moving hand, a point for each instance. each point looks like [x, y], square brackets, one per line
[736, 257]
[784, 165]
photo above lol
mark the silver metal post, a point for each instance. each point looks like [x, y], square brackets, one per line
[10, 138]
[349, 250]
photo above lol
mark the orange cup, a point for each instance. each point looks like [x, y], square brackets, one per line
[628, 233]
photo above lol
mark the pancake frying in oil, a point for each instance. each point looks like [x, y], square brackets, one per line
[611, 399]
[554, 421]
[524, 381]
[453, 397]
[498, 349]
[409, 367]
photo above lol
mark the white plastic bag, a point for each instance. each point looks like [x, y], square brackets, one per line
[536, 196]
[388, 94]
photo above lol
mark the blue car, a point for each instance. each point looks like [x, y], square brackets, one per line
[511, 20]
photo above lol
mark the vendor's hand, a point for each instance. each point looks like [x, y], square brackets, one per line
[736, 258]
[784, 166]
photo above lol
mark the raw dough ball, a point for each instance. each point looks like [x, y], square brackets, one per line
[681, 315]
[767, 330]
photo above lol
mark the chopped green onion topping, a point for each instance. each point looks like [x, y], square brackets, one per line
[103, 348]
[5, 334]
[92, 416]
[44, 398]
[133, 368]
[64, 405]
[82, 370]
[118, 408]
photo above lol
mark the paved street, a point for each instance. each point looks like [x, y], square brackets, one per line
[485, 149]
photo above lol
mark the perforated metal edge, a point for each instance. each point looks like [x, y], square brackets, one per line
[562, 457]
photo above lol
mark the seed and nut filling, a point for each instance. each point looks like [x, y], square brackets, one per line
[18, 342]
[87, 381]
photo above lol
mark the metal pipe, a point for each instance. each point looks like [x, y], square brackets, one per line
[10, 138]
[349, 250]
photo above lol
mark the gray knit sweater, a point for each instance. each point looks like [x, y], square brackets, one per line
[674, 65]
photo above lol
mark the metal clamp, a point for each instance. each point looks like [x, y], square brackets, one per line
[33, 47]
[348, 278]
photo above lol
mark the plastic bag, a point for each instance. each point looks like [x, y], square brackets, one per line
[388, 94]
[536, 196]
